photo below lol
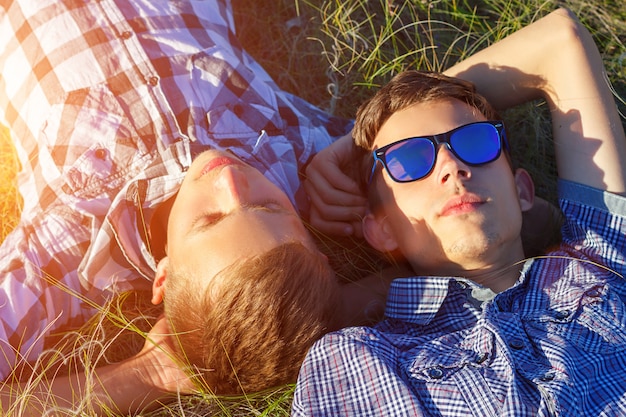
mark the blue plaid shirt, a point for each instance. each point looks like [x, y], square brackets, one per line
[554, 344]
[107, 102]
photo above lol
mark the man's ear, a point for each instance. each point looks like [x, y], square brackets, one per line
[525, 189]
[158, 285]
[377, 231]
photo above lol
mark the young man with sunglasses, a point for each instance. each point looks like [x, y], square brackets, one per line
[481, 330]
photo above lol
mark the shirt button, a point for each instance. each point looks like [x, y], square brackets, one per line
[561, 315]
[480, 358]
[549, 376]
[127, 34]
[594, 292]
[100, 153]
[435, 373]
[153, 81]
[516, 344]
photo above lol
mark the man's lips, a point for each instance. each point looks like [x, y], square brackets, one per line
[461, 204]
[218, 162]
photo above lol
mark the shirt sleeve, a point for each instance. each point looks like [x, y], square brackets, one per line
[39, 289]
[595, 223]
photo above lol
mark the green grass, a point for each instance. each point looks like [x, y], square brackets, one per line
[335, 53]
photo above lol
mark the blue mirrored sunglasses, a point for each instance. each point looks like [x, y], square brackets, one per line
[412, 159]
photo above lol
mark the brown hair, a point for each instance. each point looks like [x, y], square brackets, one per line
[405, 89]
[251, 327]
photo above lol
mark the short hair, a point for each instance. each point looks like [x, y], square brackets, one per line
[251, 327]
[404, 90]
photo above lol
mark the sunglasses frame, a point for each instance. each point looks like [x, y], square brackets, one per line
[436, 140]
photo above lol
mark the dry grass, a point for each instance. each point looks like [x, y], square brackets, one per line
[10, 201]
[334, 53]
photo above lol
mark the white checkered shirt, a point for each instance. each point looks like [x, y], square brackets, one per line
[107, 101]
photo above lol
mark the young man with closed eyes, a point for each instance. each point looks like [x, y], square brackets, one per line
[155, 154]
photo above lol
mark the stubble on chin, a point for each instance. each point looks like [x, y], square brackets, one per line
[474, 246]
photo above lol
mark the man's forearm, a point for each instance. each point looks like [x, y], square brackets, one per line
[121, 387]
[514, 70]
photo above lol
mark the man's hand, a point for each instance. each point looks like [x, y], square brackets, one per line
[157, 363]
[140, 382]
[337, 204]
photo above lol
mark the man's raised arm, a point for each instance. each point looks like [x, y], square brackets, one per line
[556, 58]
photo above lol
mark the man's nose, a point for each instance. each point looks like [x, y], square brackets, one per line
[233, 185]
[449, 166]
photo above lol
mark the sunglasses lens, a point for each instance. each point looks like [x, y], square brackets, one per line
[476, 143]
[410, 160]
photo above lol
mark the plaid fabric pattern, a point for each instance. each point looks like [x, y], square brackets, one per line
[554, 344]
[107, 102]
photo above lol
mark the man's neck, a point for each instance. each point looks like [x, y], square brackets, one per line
[497, 279]
[498, 270]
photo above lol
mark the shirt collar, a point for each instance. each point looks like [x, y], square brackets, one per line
[418, 299]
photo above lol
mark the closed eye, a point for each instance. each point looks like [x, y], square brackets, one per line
[209, 219]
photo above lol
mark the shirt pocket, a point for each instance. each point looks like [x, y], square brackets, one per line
[230, 102]
[443, 372]
[593, 322]
[92, 141]
[440, 359]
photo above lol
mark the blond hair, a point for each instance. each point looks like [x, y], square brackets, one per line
[251, 327]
